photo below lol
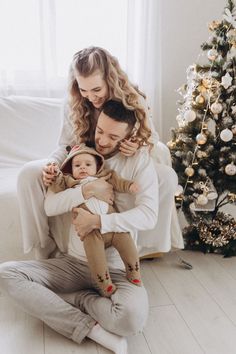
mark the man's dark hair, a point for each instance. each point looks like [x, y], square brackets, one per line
[117, 111]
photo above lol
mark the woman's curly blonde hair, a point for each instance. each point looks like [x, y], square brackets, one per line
[85, 63]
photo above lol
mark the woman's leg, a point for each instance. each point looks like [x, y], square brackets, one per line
[159, 239]
[34, 222]
[95, 251]
[32, 285]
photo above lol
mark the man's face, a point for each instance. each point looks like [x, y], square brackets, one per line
[108, 134]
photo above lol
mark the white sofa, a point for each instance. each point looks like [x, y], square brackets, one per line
[29, 131]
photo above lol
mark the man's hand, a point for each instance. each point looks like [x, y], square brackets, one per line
[50, 171]
[84, 222]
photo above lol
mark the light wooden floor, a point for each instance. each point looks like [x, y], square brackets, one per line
[191, 312]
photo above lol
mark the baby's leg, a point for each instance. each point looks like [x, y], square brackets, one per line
[124, 244]
[95, 252]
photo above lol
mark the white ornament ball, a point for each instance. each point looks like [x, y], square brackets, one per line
[216, 108]
[202, 199]
[179, 190]
[190, 115]
[212, 54]
[230, 169]
[201, 139]
[226, 135]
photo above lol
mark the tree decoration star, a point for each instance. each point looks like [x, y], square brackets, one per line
[226, 81]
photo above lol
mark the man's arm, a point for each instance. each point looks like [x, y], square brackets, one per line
[145, 212]
[63, 202]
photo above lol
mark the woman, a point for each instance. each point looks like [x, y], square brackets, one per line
[95, 76]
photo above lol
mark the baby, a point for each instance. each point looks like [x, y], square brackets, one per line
[82, 165]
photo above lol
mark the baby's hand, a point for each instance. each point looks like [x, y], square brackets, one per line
[50, 171]
[134, 188]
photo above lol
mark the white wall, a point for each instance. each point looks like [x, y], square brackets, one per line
[183, 30]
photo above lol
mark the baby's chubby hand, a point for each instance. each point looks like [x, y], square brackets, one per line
[50, 171]
[134, 188]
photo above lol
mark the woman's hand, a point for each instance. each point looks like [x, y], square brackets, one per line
[99, 189]
[128, 147]
[50, 171]
[84, 222]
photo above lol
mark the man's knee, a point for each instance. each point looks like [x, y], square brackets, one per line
[134, 314]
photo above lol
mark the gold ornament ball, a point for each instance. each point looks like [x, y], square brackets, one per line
[202, 199]
[216, 108]
[230, 169]
[189, 171]
[200, 99]
[226, 135]
[201, 139]
[201, 89]
[171, 144]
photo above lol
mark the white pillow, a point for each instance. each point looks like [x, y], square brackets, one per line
[29, 128]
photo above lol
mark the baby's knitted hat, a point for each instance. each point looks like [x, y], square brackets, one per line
[66, 166]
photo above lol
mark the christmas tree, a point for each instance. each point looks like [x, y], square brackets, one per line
[203, 147]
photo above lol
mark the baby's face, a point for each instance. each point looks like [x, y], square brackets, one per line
[84, 165]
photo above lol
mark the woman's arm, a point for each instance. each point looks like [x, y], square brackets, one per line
[66, 138]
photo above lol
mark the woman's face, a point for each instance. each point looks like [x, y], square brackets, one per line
[94, 88]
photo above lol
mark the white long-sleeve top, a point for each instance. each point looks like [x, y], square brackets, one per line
[137, 212]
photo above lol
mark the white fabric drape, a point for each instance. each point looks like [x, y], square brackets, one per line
[29, 62]
[39, 37]
[144, 52]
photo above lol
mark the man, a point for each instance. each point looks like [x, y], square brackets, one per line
[35, 285]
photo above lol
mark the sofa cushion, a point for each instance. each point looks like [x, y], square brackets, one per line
[29, 128]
